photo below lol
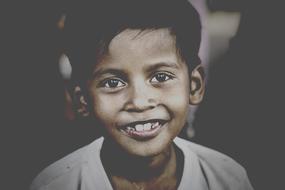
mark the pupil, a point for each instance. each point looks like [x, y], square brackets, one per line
[161, 77]
[113, 83]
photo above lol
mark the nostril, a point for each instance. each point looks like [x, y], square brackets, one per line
[135, 108]
[140, 106]
[140, 98]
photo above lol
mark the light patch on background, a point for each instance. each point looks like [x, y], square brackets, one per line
[65, 68]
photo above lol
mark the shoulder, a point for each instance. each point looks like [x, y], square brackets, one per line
[67, 168]
[209, 156]
[219, 169]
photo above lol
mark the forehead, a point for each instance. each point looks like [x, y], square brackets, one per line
[145, 42]
[135, 50]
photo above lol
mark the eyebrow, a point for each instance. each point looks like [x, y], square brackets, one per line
[162, 64]
[101, 72]
[119, 72]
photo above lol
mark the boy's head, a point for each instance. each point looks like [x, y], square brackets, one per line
[138, 62]
[92, 24]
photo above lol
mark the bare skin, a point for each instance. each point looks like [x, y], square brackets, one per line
[129, 172]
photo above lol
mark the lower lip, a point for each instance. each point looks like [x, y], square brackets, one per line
[144, 135]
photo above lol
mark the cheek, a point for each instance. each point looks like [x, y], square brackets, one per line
[177, 101]
[105, 107]
[177, 97]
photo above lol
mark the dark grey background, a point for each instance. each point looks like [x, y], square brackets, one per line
[242, 113]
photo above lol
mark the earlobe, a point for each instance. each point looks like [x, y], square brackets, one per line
[80, 103]
[197, 85]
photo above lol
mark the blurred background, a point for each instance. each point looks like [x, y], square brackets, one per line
[241, 114]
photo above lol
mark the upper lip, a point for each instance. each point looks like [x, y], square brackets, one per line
[132, 124]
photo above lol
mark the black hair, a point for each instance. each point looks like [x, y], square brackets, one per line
[92, 24]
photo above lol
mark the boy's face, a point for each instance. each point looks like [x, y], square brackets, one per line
[140, 91]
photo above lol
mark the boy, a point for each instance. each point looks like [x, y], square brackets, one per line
[135, 70]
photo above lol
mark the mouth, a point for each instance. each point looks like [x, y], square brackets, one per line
[143, 130]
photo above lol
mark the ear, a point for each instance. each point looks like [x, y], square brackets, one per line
[197, 85]
[79, 102]
[73, 93]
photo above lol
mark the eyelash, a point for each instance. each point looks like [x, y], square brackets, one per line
[106, 83]
[168, 77]
[120, 83]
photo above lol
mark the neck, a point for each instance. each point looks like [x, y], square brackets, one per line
[124, 168]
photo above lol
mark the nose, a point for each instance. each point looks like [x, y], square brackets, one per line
[141, 98]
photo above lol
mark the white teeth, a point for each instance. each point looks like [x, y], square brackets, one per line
[130, 128]
[143, 127]
[147, 126]
[154, 125]
[139, 127]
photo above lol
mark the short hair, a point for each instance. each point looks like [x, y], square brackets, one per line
[91, 25]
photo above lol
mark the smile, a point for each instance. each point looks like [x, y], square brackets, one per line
[143, 130]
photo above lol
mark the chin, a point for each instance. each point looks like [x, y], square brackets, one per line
[149, 148]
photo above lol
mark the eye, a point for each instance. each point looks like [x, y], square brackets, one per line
[113, 83]
[161, 77]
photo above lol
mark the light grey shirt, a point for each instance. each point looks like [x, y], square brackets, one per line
[204, 169]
